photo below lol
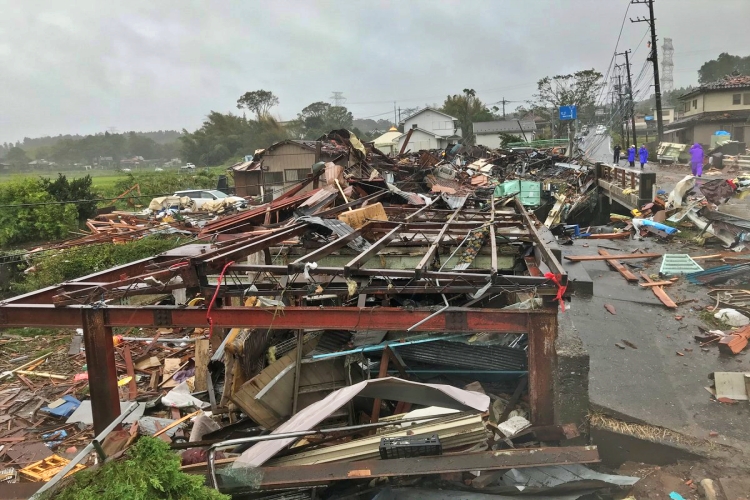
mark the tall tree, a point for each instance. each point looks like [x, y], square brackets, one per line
[722, 66]
[259, 102]
[319, 118]
[17, 157]
[576, 89]
[467, 109]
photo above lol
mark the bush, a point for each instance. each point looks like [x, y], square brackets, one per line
[150, 471]
[154, 184]
[75, 262]
[40, 219]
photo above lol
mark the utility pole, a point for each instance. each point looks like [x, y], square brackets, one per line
[631, 104]
[654, 60]
[622, 123]
[394, 114]
[504, 101]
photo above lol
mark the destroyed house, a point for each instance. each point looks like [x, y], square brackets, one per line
[428, 129]
[488, 133]
[723, 105]
[283, 165]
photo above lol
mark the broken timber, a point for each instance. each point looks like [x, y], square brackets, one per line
[311, 475]
[659, 292]
[618, 266]
[584, 258]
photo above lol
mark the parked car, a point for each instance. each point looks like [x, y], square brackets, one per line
[158, 169]
[202, 196]
[600, 130]
[189, 166]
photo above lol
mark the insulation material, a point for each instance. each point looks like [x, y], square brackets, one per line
[389, 388]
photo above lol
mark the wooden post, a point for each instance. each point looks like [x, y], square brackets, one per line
[542, 332]
[100, 358]
[297, 370]
[201, 364]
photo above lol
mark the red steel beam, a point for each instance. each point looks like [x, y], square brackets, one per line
[454, 319]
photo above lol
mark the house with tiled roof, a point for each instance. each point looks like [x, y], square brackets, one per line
[723, 105]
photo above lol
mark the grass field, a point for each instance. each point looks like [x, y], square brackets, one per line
[103, 180]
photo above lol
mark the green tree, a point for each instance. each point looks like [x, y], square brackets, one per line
[319, 118]
[80, 189]
[29, 213]
[467, 109]
[17, 157]
[259, 102]
[722, 66]
[576, 89]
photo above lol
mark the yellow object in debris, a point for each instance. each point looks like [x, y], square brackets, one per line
[124, 381]
[196, 301]
[636, 212]
[46, 469]
[357, 218]
[629, 191]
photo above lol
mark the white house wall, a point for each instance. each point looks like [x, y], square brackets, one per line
[492, 140]
[419, 140]
[434, 122]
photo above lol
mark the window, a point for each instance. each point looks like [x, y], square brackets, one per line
[295, 174]
[695, 103]
[208, 196]
[686, 107]
[746, 99]
[736, 99]
[273, 177]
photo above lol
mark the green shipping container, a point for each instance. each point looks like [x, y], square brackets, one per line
[530, 192]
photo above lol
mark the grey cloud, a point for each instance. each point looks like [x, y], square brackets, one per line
[80, 66]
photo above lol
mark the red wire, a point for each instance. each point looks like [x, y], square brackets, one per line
[213, 299]
[560, 289]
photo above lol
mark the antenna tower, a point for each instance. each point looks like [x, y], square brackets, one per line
[338, 98]
[667, 66]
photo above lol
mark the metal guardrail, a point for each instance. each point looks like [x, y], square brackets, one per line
[540, 144]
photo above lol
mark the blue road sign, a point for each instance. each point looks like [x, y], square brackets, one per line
[568, 113]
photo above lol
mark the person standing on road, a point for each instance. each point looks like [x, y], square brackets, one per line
[696, 159]
[631, 155]
[643, 155]
[617, 154]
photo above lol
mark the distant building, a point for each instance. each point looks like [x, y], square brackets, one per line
[723, 105]
[388, 142]
[273, 170]
[488, 133]
[431, 129]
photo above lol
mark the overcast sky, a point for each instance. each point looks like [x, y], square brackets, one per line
[83, 66]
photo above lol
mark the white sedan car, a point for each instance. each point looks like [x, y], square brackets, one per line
[203, 196]
[600, 130]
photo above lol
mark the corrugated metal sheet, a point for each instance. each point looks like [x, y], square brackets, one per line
[460, 355]
[338, 227]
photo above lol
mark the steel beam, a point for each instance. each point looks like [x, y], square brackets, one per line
[100, 359]
[299, 264]
[358, 261]
[316, 474]
[542, 366]
[455, 319]
[436, 243]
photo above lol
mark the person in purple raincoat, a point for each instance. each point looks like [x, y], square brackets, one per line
[643, 155]
[696, 159]
[631, 155]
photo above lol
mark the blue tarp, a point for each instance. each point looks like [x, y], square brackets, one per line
[64, 410]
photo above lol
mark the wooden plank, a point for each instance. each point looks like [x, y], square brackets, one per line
[132, 386]
[584, 258]
[608, 236]
[657, 283]
[175, 423]
[619, 267]
[660, 293]
[383, 372]
[201, 364]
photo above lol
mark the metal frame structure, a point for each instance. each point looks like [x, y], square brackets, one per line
[86, 301]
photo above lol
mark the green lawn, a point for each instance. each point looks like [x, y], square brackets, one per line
[103, 180]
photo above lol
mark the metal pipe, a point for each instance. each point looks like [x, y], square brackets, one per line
[286, 435]
[84, 452]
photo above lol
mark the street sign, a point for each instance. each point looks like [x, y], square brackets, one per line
[568, 113]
